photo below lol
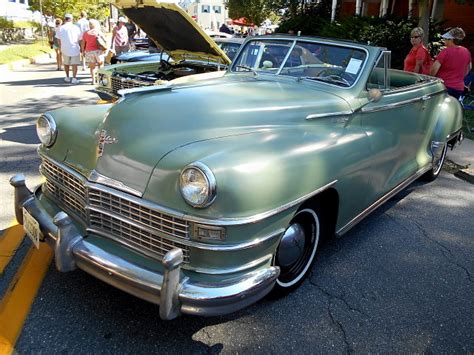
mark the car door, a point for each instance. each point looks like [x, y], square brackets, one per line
[396, 126]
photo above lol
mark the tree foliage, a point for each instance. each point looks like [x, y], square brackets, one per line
[97, 9]
[255, 11]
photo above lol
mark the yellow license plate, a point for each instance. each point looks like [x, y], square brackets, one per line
[32, 228]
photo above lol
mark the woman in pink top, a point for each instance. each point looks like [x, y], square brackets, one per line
[453, 63]
[94, 56]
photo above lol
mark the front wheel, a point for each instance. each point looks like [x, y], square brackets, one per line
[436, 164]
[297, 250]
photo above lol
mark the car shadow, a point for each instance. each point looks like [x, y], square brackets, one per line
[23, 134]
[32, 108]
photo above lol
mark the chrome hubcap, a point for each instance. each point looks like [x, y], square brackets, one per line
[291, 246]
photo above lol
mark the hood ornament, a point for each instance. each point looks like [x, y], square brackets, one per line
[103, 140]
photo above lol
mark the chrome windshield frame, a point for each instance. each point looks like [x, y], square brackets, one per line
[293, 42]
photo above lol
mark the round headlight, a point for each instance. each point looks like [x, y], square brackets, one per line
[198, 185]
[103, 80]
[46, 130]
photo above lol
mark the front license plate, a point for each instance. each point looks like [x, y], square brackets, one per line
[32, 228]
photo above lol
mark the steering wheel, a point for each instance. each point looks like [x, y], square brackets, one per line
[329, 72]
[336, 75]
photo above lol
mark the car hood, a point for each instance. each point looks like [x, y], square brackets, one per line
[173, 30]
[143, 128]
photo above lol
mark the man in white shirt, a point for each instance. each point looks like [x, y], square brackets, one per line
[69, 37]
[83, 24]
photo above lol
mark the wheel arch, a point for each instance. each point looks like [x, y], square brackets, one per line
[327, 204]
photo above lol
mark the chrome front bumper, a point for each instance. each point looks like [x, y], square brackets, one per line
[175, 293]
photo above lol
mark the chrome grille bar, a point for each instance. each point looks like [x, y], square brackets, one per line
[122, 83]
[170, 225]
[134, 236]
[144, 229]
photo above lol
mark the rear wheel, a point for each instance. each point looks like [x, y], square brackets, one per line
[297, 250]
[436, 164]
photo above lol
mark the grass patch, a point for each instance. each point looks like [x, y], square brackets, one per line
[23, 51]
[469, 117]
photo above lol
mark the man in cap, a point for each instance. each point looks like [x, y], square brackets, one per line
[120, 42]
[69, 37]
[453, 63]
[83, 24]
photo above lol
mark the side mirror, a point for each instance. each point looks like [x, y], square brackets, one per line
[374, 95]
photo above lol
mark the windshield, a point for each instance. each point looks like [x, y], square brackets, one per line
[230, 48]
[337, 65]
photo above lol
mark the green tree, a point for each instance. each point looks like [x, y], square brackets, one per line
[98, 9]
[255, 11]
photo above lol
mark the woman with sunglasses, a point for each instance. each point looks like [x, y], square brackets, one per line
[453, 63]
[418, 59]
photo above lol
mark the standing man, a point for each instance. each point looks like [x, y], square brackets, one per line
[69, 37]
[120, 42]
[83, 24]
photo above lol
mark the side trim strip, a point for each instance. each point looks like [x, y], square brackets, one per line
[382, 200]
[260, 216]
[400, 103]
[329, 114]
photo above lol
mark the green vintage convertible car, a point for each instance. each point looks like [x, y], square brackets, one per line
[187, 50]
[204, 197]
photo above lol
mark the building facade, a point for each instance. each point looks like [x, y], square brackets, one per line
[16, 10]
[209, 14]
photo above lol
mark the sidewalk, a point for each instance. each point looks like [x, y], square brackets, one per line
[463, 155]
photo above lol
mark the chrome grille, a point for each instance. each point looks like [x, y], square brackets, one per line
[119, 83]
[113, 215]
[134, 236]
[65, 188]
[137, 213]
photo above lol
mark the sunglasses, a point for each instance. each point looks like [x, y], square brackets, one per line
[415, 37]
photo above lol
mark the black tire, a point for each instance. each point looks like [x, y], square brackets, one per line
[292, 274]
[437, 166]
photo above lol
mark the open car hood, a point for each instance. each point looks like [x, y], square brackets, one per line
[172, 29]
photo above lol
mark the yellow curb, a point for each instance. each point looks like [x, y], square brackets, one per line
[9, 243]
[15, 305]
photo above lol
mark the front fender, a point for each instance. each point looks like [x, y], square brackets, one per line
[77, 136]
[264, 170]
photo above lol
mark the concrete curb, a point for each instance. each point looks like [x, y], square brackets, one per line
[18, 64]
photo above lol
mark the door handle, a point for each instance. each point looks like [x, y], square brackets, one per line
[425, 97]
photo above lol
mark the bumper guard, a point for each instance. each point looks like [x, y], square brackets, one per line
[175, 293]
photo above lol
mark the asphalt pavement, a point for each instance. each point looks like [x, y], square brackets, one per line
[402, 281]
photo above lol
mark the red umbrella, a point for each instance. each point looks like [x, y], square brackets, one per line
[241, 22]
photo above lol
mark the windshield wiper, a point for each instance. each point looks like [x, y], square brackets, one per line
[327, 79]
[246, 67]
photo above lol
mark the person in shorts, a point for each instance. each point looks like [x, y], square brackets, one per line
[69, 36]
[94, 56]
[54, 42]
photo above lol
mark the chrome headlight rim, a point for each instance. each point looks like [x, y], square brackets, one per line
[211, 184]
[103, 80]
[52, 128]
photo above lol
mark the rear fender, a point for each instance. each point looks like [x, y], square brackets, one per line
[448, 121]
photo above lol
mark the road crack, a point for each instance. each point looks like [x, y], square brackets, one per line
[445, 251]
[338, 324]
